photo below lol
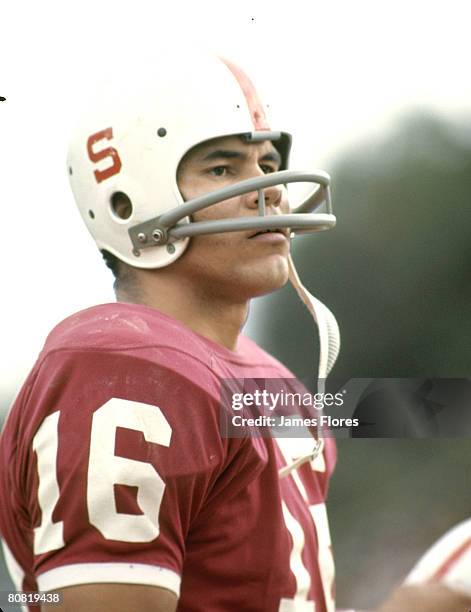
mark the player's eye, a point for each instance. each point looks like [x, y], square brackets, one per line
[218, 171]
[266, 169]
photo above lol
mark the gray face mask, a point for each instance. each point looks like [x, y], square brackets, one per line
[170, 226]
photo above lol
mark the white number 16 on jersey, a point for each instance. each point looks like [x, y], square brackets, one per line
[105, 470]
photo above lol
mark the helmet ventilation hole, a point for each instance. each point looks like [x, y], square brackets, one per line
[161, 132]
[91, 214]
[121, 205]
[70, 170]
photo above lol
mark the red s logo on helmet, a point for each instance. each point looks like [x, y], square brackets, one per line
[111, 152]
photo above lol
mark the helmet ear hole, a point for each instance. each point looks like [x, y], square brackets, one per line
[121, 205]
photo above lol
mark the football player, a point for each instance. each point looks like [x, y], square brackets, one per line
[120, 489]
[117, 487]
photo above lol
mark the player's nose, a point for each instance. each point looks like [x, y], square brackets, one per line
[268, 196]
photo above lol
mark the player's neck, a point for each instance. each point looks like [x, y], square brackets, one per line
[216, 317]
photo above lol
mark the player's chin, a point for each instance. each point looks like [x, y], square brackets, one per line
[270, 275]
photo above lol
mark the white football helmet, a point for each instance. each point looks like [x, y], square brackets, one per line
[448, 561]
[133, 141]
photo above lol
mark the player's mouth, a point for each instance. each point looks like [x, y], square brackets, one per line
[271, 235]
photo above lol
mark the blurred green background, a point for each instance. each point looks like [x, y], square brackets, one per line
[396, 272]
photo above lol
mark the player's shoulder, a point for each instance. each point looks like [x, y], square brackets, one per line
[124, 327]
[115, 326]
[123, 351]
[117, 339]
[258, 357]
[138, 330]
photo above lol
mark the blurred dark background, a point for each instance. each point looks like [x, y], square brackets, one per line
[396, 272]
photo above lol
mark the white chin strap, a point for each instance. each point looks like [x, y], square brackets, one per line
[329, 347]
[329, 334]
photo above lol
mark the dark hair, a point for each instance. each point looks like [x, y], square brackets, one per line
[114, 264]
[125, 280]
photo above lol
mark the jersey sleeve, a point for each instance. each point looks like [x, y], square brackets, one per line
[119, 457]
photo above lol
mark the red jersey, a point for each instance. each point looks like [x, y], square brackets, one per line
[114, 470]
